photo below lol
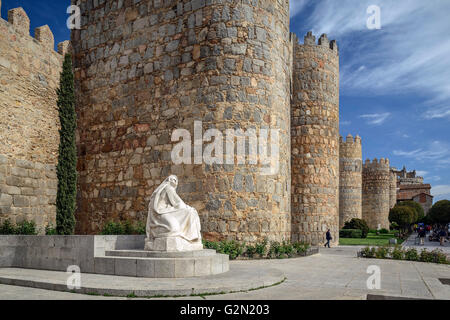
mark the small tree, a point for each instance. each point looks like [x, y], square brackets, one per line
[440, 212]
[67, 160]
[402, 215]
[416, 207]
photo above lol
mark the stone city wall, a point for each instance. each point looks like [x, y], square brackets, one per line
[29, 77]
[146, 68]
[315, 140]
[28, 192]
[350, 179]
[392, 189]
[376, 193]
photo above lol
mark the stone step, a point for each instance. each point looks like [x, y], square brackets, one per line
[151, 267]
[159, 254]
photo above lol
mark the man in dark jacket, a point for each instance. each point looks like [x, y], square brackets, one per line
[329, 238]
[422, 234]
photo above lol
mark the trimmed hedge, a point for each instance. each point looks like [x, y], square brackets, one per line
[263, 249]
[399, 253]
[358, 224]
[351, 233]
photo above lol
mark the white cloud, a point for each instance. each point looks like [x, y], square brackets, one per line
[296, 6]
[345, 123]
[421, 173]
[409, 54]
[438, 113]
[376, 118]
[440, 190]
[437, 150]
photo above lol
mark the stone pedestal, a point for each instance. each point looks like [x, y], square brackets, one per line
[158, 264]
[172, 244]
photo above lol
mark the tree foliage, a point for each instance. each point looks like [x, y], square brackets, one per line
[440, 212]
[67, 160]
[402, 215]
[419, 213]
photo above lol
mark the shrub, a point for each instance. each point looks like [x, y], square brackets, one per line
[358, 224]
[27, 228]
[122, 228]
[351, 233]
[384, 231]
[250, 250]
[140, 228]
[288, 249]
[382, 252]
[275, 249]
[439, 257]
[368, 252]
[50, 230]
[211, 245]
[398, 253]
[261, 247]
[232, 248]
[113, 228]
[426, 256]
[7, 228]
[411, 254]
[300, 247]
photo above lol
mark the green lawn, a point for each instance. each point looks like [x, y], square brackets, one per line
[371, 240]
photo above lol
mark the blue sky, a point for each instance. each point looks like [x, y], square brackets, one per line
[395, 82]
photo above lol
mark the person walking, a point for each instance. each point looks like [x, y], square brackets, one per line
[329, 238]
[422, 234]
[442, 235]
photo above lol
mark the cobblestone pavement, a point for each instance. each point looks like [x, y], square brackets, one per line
[335, 273]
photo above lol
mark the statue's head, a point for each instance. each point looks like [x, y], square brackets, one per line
[173, 180]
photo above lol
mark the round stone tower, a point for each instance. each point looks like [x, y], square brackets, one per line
[392, 189]
[376, 193]
[147, 68]
[350, 179]
[315, 140]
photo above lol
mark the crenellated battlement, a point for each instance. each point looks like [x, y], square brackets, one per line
[349, 140]
[375, 163]
[310, 40]
[20, 22]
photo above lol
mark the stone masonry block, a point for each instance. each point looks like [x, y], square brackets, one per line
[125, 267]
[45, 36]
[19, 19]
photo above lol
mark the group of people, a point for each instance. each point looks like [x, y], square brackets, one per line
[423, 230]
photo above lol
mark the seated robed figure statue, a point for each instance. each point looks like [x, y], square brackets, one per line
[172, 225]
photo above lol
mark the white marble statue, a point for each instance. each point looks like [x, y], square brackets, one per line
[172, 225]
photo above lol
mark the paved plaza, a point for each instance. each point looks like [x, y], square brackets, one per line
[429, 245]
[334, 274]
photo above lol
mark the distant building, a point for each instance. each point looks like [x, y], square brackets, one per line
[411, 188]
